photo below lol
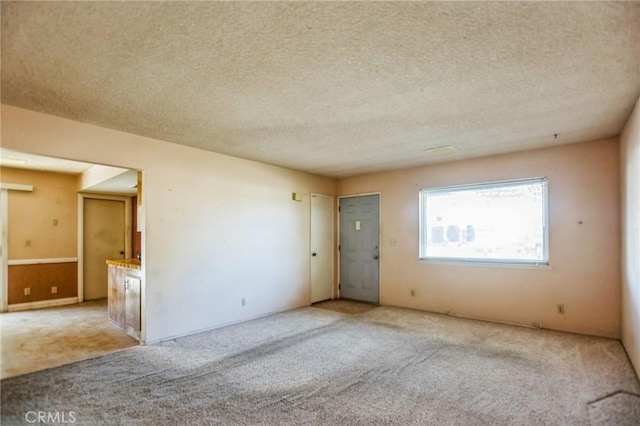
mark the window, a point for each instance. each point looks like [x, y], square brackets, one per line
[489, 222]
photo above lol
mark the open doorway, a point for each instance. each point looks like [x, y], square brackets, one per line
[54, 304]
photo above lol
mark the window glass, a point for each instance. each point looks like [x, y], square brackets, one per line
[491, 222]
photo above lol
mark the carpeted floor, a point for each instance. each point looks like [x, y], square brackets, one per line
[45, 338]
[345, 306]
[320, 365]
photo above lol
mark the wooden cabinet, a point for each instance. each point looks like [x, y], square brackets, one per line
[116, 295]
[124, 298]
[132, 305]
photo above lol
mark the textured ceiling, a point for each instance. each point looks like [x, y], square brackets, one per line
[336, 89]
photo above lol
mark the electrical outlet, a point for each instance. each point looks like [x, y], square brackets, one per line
[413, 292]
[243, 301]
[27, 291]
[560, 309]
[54, 290]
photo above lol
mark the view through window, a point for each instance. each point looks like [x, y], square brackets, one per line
[490, 222]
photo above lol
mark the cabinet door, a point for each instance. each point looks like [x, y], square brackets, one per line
[116, 295]
[132, 303]
[112, 283]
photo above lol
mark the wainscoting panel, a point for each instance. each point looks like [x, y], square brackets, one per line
[39, 278]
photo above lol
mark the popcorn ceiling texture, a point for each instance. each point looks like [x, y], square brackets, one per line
[336, 89]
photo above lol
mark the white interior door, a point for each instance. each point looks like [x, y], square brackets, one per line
[103, 238]
[321, 247]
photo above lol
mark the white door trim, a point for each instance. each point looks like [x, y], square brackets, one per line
[333, 244]
[380, 249]
[4, 267]
[127, 232]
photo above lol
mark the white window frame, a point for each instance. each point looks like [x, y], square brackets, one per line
[422, 241]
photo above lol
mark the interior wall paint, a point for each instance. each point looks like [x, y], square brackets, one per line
[217, 228]
[97, 174]
[32, 233]
[630, 171]
[584, 224]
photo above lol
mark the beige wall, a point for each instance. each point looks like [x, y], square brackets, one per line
[630, 162]
[217, 228]
[585, 258]
[32, 234]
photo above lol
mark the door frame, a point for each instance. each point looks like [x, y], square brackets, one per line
[333, 243]
[127, 232]
[380, 249]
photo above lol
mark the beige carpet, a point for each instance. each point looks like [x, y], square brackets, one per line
[45, 338]
[318, 366]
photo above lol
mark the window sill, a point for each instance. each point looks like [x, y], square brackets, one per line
[483, 264]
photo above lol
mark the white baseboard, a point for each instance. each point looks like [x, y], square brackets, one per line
[214, 327]
[42, 304]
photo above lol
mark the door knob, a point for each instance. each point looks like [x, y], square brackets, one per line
[314, 254]
[375, 257]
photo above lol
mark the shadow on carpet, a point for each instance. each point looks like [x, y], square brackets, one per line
[345, 306]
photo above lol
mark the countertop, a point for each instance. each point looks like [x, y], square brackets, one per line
[125, 263]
